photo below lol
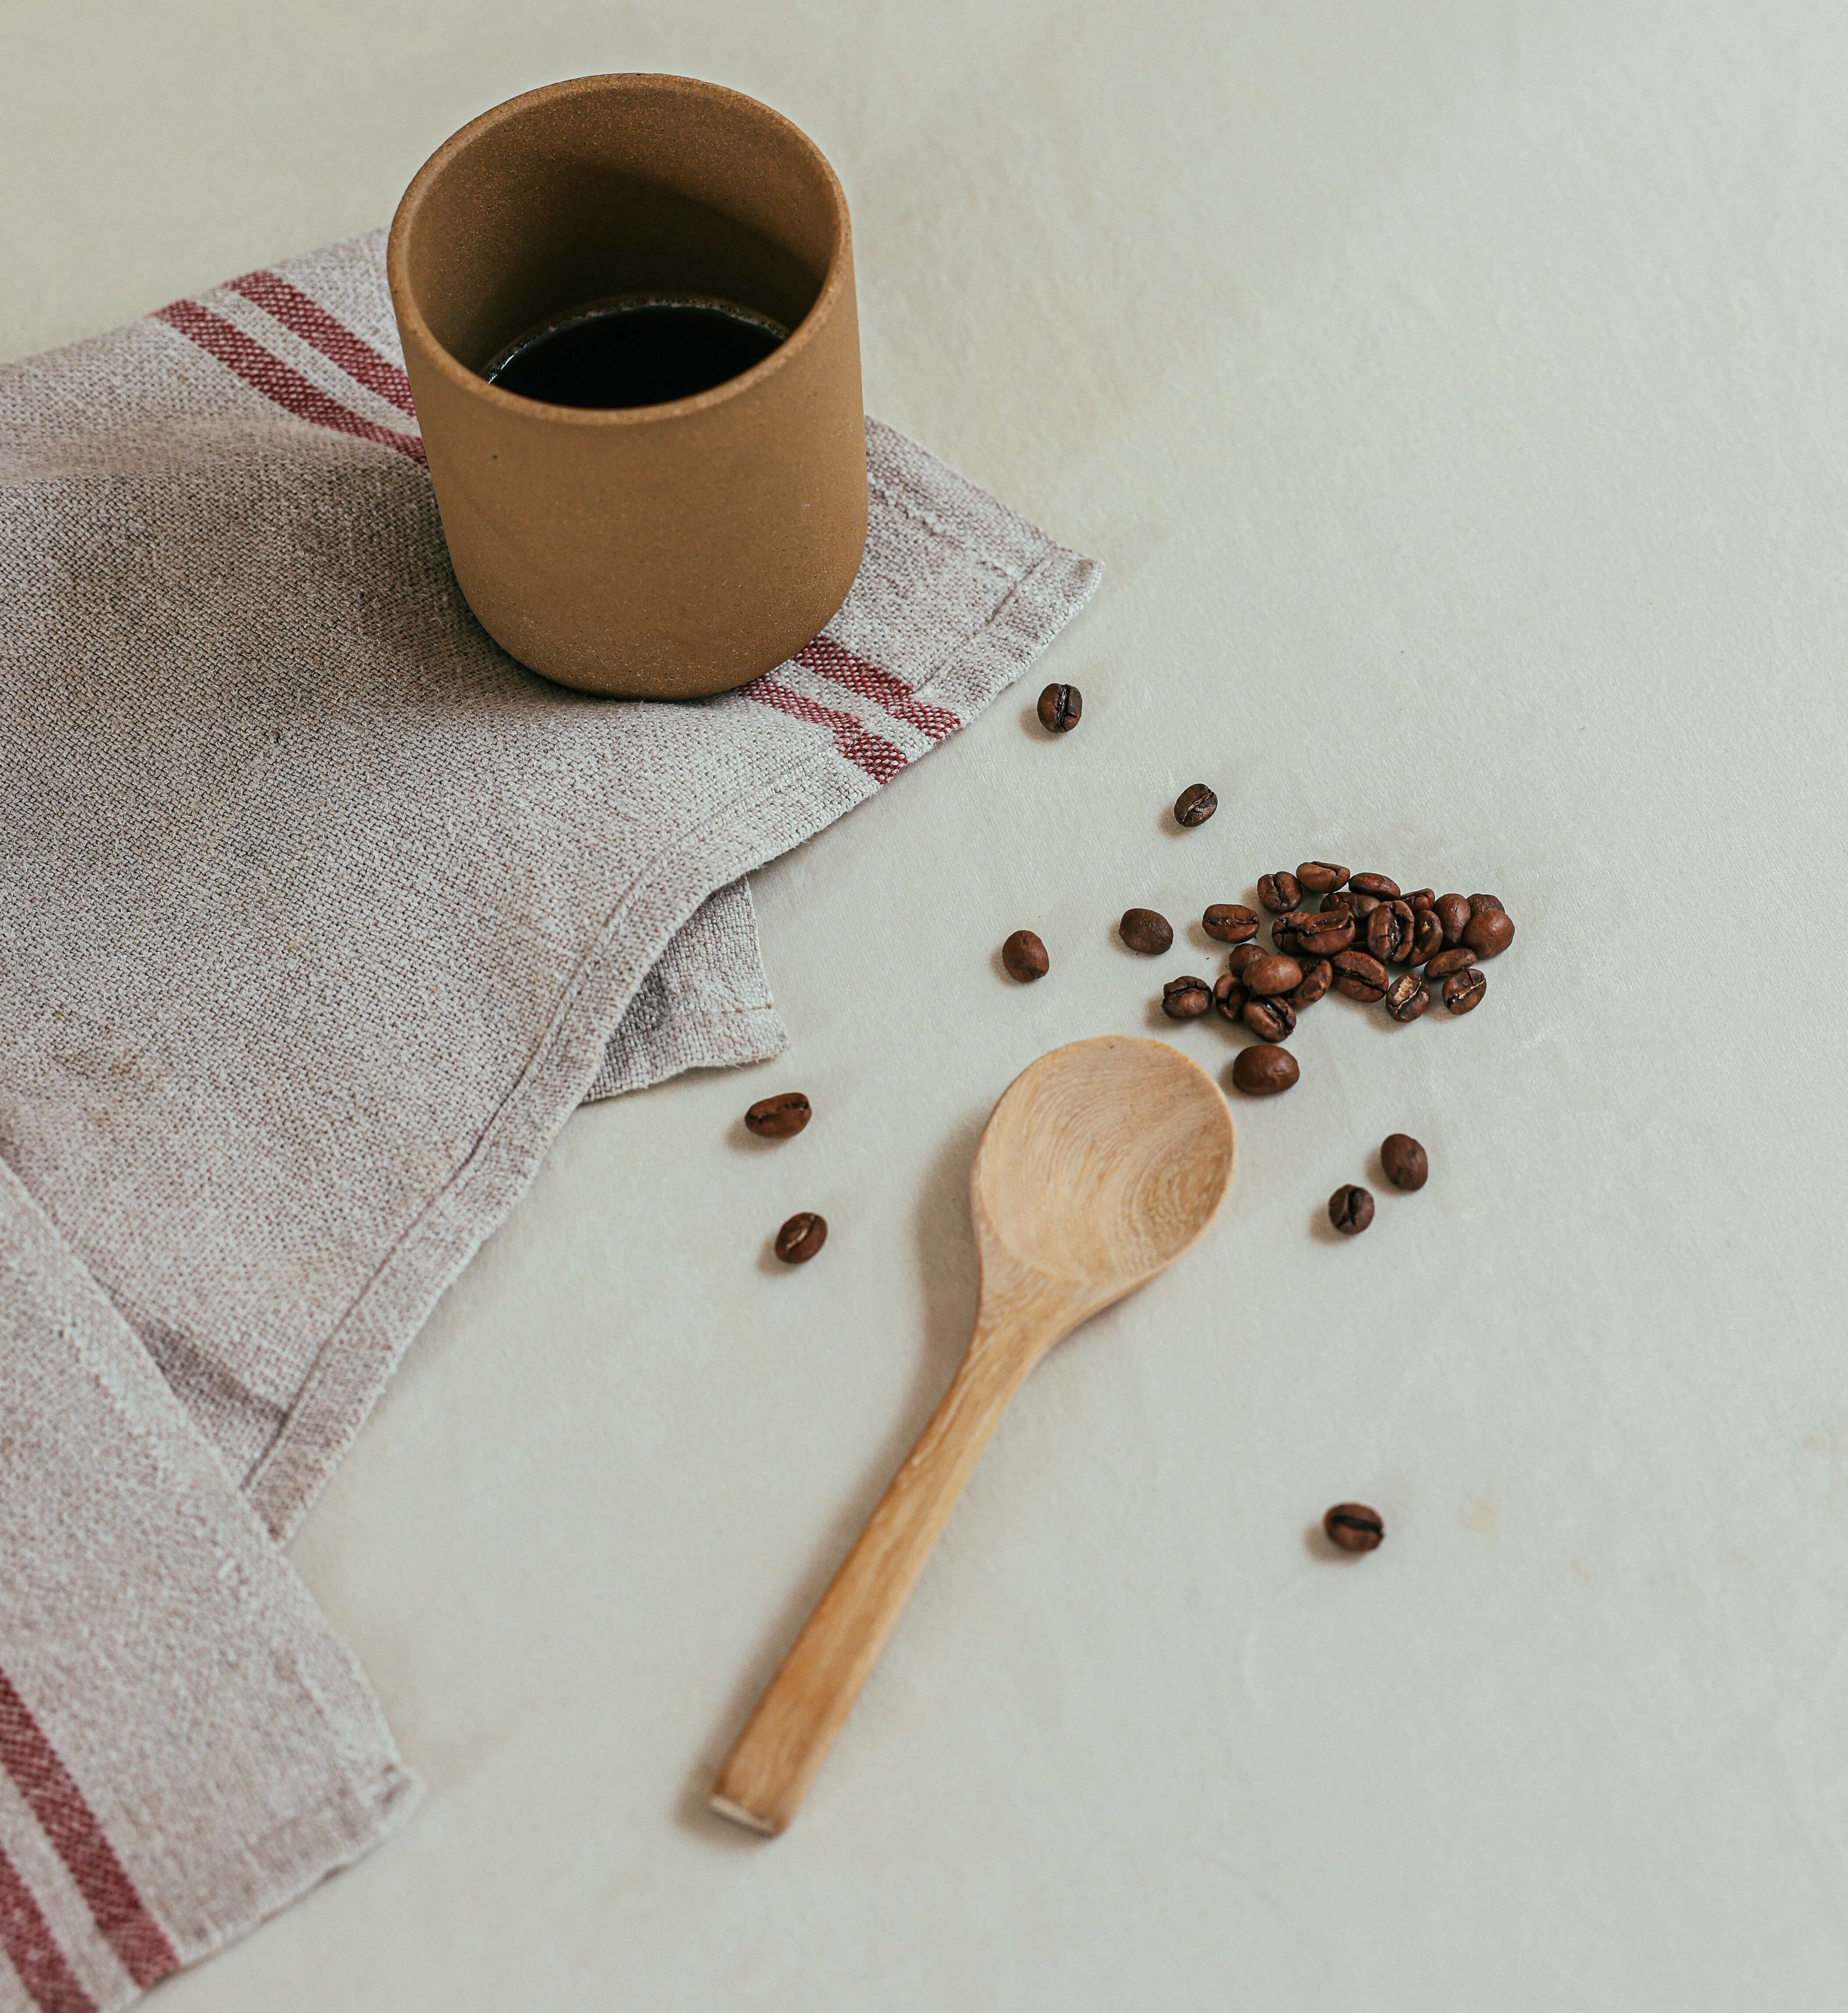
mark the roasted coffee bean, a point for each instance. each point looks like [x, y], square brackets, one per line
[1427, 935]
[779, 1118]
[1488, 933]
[801, 1237]
[1407, 997]
[1143, 930]
[1318, 975]
[1025, 957]
[1264, 1070]
[1270, 1020]
[1229, 998]
[1404, 1161]
[1479, 902]
[1342, 900]
[1463, 990]
[1283, 931]
[1453, 912]
[1350, 1210]
[1389, 931]
[1242, 956]
[1364, 907]
[1420, 898]
[1354, 1527]
[1375, 883]
[1448, 961]
[1324, 933]
[1230, 922]
[1194, 805]
[1359, 976]
[1061, 707]
[1185, 999]
[1265, 975]
[1280, 892]
[1321, 877]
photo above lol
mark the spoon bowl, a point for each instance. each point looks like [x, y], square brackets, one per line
[1102, 1162]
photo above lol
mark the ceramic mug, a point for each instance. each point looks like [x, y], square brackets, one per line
[657, 551]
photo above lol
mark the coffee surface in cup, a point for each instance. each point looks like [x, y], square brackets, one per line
[634, 350]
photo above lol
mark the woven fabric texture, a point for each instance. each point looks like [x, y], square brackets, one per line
[318, 917]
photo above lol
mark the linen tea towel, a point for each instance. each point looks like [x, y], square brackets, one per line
[318, 916]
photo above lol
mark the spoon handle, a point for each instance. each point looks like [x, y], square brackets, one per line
[768, 1771]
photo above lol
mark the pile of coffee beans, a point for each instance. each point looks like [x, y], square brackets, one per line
[1332, 932]
[1361, 923]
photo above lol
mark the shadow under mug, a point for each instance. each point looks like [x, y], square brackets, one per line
[657, 551]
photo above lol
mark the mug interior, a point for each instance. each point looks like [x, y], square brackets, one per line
[612, 186]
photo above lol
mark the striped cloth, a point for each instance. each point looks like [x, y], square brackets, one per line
[318, 917]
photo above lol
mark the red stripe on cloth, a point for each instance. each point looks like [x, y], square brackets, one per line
[27, 1938]
[70, 1824]
[879, 758]
[274, 379]
[834, 660]
[305, 317]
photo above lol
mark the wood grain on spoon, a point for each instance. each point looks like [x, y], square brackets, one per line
[1104, 1161]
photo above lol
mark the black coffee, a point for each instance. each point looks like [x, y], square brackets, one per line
[642, 350]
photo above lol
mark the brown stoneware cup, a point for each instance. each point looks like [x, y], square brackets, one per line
[657, 551]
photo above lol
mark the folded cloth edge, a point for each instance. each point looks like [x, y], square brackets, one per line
[358, 1359]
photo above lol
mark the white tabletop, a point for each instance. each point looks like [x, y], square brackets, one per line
[1455, 395]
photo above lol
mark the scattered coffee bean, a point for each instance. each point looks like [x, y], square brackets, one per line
[1488, 933]
[1324, 933]
[1389, 931]
[1321, 877]
[1318, 975]
[1427, 935]
[1407, 997]
[801, 1237]
[1280, 892]
[1404, 1161]
[1185, 999]
[1194, 805]
[1422, 898]
[1375, 883]
[1229, 998]
[780, 1117]
[1463, 990]
[1448, 961]
[1354, 1527]
[1342, 900]
[1265, 974]
[1025, 957]
[1230, 922]
[1242, 956]
[1272, 1019]
[1359, 976]
[1363, 906]
[1479, 902]
[1453, 912]
[1263, 1071]
[1061, 707]
[1350, 1210]
[1143, 930]
[1283, 931]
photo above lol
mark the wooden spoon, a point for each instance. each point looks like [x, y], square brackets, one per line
[1101, 1164]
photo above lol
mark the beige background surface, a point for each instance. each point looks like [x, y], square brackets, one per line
[1455, 394]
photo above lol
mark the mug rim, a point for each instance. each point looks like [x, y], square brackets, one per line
[612, 84]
